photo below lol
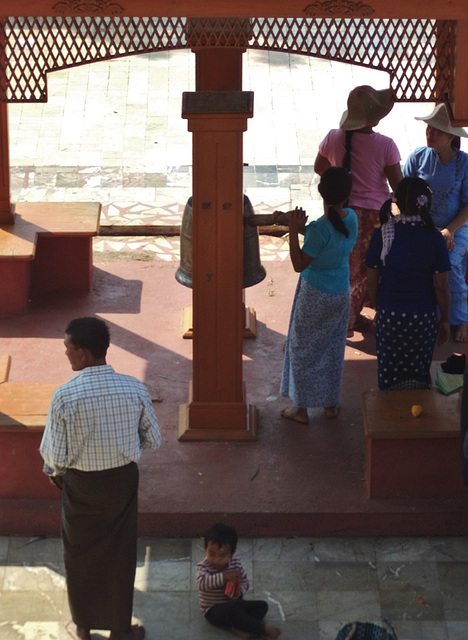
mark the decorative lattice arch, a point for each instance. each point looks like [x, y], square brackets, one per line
[416, 53]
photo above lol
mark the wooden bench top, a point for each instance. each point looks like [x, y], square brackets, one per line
[387, 414]
[24, 405]
[18, 240]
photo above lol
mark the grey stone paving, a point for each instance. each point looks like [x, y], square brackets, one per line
[313, 587]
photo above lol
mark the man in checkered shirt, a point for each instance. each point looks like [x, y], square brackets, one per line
[97, 426]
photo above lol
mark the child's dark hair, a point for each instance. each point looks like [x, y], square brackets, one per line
[91, 334]
[221, 534]
[335, 187]
[413, 197]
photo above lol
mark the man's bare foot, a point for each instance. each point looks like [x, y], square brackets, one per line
[271, 632]
[332, 412]
[78, 633]
[242, 634]
[458, 332]
[298, 414]
[137, 632]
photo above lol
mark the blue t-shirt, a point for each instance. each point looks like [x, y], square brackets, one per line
[448, 182]
[329, 270]
[407, 278]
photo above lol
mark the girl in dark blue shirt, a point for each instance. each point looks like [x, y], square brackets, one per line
[407, 265]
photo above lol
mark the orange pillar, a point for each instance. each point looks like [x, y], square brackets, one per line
[217, 409]
[218, 69]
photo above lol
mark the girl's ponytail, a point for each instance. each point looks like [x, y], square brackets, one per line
[385, 212]
[347, 155]
[337, 221]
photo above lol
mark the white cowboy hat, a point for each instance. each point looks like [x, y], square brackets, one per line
[440, 119]
[366, 106]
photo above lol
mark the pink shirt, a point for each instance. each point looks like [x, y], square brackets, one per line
[371, 153]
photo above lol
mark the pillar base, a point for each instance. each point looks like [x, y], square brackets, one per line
[7, 214]
[217, 421]
[218, 434]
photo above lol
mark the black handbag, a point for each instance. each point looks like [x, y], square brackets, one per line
[367, 631]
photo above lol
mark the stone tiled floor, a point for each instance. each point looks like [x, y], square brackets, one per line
[313, 587]
[112, 132]
[168, 248]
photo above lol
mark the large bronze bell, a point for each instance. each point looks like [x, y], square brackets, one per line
[254, 272]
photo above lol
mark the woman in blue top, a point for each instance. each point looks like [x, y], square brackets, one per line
[314, 354]
[445, 169]
[407, 280]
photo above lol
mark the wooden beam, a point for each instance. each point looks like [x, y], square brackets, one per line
[450, 10]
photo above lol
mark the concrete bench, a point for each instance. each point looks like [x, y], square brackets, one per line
[48, 248]
[23, 412]
[408, 457]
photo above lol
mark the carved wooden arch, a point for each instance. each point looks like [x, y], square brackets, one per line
[417, 54]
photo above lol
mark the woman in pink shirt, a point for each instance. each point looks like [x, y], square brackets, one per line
[374, 161]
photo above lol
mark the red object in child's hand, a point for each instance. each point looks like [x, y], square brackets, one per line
[232, 589]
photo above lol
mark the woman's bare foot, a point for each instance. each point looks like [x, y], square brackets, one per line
[458, 332]
[364, 324]
[78, 633]
[298, 414]
[332, 412]
[271, 632]
[137, 632]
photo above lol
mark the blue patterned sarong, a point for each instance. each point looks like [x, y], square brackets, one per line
[314, 353]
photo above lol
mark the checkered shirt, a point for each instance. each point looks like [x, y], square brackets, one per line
[98, 420]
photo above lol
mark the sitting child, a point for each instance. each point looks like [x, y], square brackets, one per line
[222, 584]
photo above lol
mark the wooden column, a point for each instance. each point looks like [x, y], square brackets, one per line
[217, 409]
[218, 70]
[6, 209]
[460, 75]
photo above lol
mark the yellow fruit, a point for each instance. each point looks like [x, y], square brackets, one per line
[416, 410]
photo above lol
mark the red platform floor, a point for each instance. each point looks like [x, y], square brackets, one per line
[295, 480]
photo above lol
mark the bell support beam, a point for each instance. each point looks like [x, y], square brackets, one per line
[217, 409]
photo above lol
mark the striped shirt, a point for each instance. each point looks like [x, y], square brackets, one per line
[211, 583]
[98, 420]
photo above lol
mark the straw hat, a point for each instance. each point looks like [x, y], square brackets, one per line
[440, 119]
[366, 106]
